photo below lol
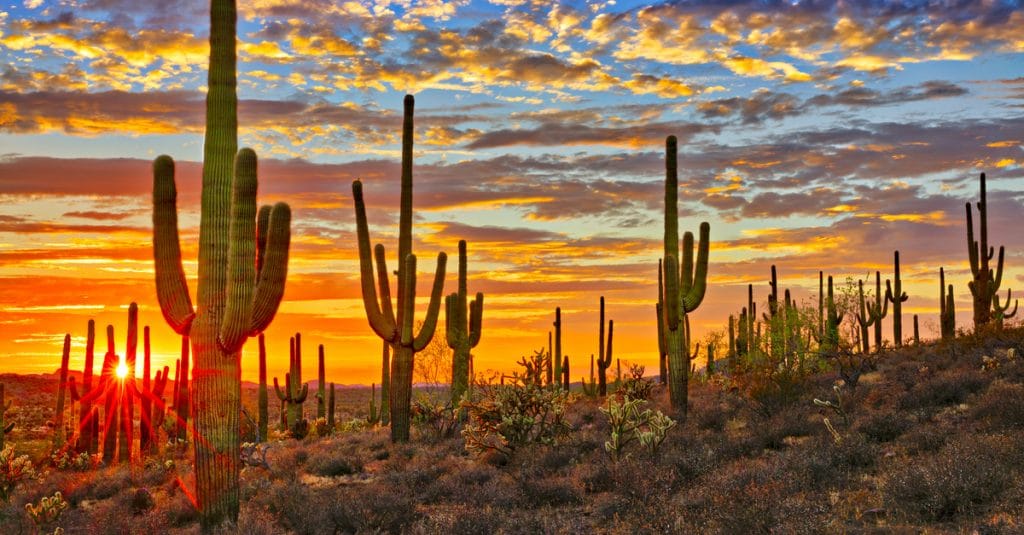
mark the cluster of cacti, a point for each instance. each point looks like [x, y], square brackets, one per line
[295, 391]
[685, 283]
[397, 329]
[604, 355]
[4, 426]
[894, 294]
[243, 261]
[48, 510]
[463, 322]
[985, 283]
[947, 308]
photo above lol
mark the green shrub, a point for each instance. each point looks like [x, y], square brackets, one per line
[503, 418]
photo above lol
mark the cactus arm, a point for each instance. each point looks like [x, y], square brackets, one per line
[695, 295]
[262, 226]
[451, 326]
[686, 273]
[381, 324]
[171, 286]
[303, 393]
[434, 306]
[998, 280]
[1003, 308]
[671, 242]
[242, 254]
[274, 268]
[476, 315]
[972, 246]
[283, 396]
[383, 283]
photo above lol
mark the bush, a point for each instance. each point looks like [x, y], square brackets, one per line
[503, 418]
[1001, 406]
[13, 470]
[332, 464]
[883, 426]
[948, 388]
[961, 479]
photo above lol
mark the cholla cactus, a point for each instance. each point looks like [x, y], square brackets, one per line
[48, 510]
[629, 423]
[4, 426]
[13, 470]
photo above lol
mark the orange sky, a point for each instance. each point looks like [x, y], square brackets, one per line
[817, 136]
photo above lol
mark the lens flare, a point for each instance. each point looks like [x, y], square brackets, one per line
[122, 370]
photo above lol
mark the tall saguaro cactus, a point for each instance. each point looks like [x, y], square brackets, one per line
[263, 413]
[560, 366]
[59, 436]
[385, 384]
[321, 385]
[243, 261]
[4, 426]
[985, 282]
[685, 283]
[894, 294]
[295, 392]
[864, 319]
[947, 308]
[878, 310]
[397, 328]
[462, 328]
[604, 353]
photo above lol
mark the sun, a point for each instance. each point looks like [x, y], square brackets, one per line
[122, 370]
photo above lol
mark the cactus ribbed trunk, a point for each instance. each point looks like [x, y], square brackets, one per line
[262, 411]
[321, 387]
[87, 438]
[604, 359]
[463, 322]
[385, 385]
[182, 400]
[59, 436]
[559, 367]
[894, 294]
[110, 405]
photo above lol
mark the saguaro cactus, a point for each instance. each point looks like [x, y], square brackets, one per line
[462, 328]
[685, 283]
[397, 329]
[559, 369]
[878, 310]
[241, 274]
[947, 308]
[321, 385]
[999, 310]
[295, 392]
[86, 424]
[127, 434]
[385, 384]
[59, 436]
[263, 412]
[182, 399]
[659, 310]
[111, 403]
[4, 426]
[864, 320]
[151, 400]
[604, 355]
[894, 294]
[985, 284]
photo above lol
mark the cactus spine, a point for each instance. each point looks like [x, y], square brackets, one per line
[985, 283]
[894, 294]
[947, 308]
[4, 426]
[263, 413]
[685, 283]
[604, 356]
[397, 329]
[462, 336]
[241, 274]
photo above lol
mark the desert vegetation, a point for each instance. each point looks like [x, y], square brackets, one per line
[798, 424]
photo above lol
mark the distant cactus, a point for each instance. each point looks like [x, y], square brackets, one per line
[126, 436]
[830, 340]
[550, 363]
[295, 392]
[590, 389]
[864, 319]
[321, 394]
[5, 427]
[947, 308]
[985, 283]
[397, 329]
[604, 356]
[879, 310]
[559, 371]
[732, 344]
[242, 273]
[372, 418]
[894, 294]
[331, 408]
[59, 437]
[685, 283]
[917, 332]
[151, 400]
[565, 373]
[999, 310]
[463, 323]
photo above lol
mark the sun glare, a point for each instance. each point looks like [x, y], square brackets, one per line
[122, 370]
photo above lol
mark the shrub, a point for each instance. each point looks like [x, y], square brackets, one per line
[883, 426]
[331, 464]
[946, 389]
[1001, 406]
[552, 491]
[961, 479]
[503, 418]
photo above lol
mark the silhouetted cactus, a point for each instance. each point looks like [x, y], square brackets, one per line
[182, 396]
[685, 283]
[947, 308]
[295, 392]
[565, 373]
[604, 355]
[385, 385]
[917, 332]
[864, 319]
[111, 403]
[330, 408]
[830, 341]
[321, 394]
[999, 310]
[241, 273]
[152, 402]
[397, 329]
[590, 389]
[550, 363]
[463, 323]
[659, 310]
[894, 294]
[59, 437]
[5, 427]
[985, 283]
[878, 311]
[732, 344]
[559, 371]
[126, 437]
[87, 425]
